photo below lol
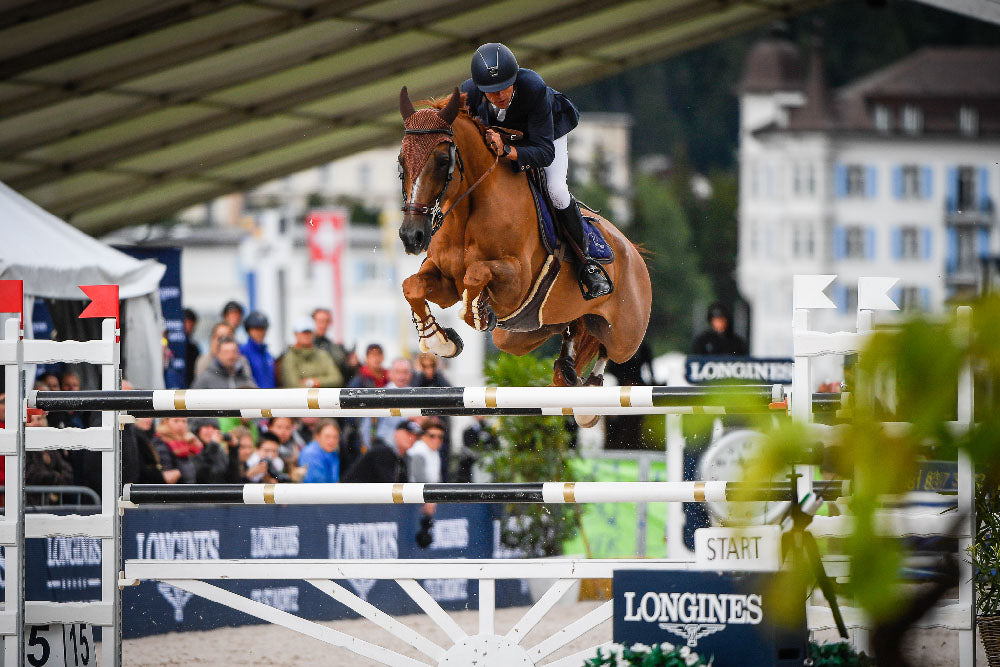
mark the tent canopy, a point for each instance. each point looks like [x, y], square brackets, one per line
[52, 257]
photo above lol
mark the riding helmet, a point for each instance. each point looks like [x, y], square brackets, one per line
[494, 67]
[256, 320]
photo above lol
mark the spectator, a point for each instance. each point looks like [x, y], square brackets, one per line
[191, 351]
[347, 362]
[264, 465]
[383, 462]
[219, 332]
[290, 443]
[176, 447]
[241, 448]
[719, 338]
[150, 469]
[45, 468]
[429, 375]
[255, 350]
[232, 314]
[50, 380]
[320, 457]
[212, 463]
[400, 375]
[303, 365]
[371, 374]
[229, 370]
[70, 381]
[424, 456]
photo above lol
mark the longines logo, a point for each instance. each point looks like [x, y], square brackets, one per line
[769, 371]
[363, 540]
[692, 616]
[177, 545]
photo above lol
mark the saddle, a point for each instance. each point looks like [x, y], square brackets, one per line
[528, 316]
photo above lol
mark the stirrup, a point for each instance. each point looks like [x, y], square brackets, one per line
[594, 280]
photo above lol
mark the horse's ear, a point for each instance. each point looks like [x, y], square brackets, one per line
[450, 111]
[405, 105]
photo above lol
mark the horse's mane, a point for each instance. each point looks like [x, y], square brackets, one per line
[463, 110]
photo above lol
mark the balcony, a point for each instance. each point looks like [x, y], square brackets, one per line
[977, 212]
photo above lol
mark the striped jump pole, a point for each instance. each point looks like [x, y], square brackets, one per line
[135, 495]
[532, 400]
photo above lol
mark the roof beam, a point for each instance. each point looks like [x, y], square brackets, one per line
[101, 159]
[46, 93]
[128, 27]
[34, 10]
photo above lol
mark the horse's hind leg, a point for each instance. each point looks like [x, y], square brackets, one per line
[563, 370]
[596, 377]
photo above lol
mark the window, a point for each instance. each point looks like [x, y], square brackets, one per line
[967, 262]
[855, 243]
[883, 118]
[913, 119]
[810, 184]
[855, 181]
[968, 121]
[910, 243]
[803, 240]
[911, 182]
[910, 298]
[797, 184]
[966, 188]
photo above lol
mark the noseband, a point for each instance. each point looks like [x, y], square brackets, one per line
[433, 211]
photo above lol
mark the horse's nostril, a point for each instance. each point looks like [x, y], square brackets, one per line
[418, 238]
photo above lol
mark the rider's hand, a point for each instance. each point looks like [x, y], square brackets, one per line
[496, 142]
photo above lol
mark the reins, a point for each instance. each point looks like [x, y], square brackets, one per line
[471, 188]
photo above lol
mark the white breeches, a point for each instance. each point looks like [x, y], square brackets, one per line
[555, 174]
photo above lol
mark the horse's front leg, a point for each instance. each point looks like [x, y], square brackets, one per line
[425, 285]
[490, 284]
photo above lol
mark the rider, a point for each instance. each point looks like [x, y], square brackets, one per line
[502, 94]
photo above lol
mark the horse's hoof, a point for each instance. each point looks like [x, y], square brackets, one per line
[456, 341]
[586, 421]
[594, 381]
[564, 367]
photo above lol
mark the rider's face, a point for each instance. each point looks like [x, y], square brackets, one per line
[501, 98]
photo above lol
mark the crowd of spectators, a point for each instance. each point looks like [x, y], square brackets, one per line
[180, 450]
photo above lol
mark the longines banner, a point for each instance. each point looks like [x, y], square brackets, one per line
[68, 569]
[738, 370]
[724, 615]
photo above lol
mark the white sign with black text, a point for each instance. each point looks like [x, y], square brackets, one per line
[747, 548]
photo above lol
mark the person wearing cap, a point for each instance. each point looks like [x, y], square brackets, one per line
[255, 350]
[304, 365]
[502, 94]
[384, 462]
[719, 338]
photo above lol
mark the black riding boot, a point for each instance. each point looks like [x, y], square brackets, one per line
[594, 280]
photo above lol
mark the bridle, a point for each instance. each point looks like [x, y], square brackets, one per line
[433, 211]
[454, 160]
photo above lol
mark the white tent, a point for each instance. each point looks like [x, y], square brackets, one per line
[53, 258]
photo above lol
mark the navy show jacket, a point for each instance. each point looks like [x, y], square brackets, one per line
[541, 113]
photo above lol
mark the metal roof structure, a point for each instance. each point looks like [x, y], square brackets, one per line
[119, 112]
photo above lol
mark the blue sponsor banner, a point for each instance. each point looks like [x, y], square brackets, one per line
[700, 369]
[720, 615]
[65, 569]
[172, 305]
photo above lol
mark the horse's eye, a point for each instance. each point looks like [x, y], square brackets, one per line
[443, 159]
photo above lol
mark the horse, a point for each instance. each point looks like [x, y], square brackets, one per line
[478, 224]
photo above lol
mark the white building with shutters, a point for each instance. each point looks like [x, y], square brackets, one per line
[895, 174]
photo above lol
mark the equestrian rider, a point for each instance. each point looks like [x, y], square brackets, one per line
[502, 94]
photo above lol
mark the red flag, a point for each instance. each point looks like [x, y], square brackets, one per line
[11, 296]
[103, 301]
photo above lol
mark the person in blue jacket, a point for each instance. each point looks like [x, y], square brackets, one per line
[321, 457]
[256, 352]
[502, 94]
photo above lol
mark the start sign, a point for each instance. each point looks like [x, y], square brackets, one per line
[748, 548]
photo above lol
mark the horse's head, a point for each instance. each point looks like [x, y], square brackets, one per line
[427, 163]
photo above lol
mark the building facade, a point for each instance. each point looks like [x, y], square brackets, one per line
[894, 174]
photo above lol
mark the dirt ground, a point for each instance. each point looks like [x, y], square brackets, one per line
[279, 647]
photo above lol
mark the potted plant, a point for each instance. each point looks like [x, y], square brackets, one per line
[641, 655]
[985, 556]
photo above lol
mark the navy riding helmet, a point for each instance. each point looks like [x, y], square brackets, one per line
[494, 67]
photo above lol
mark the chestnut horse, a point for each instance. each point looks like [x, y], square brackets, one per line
[478, 223]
